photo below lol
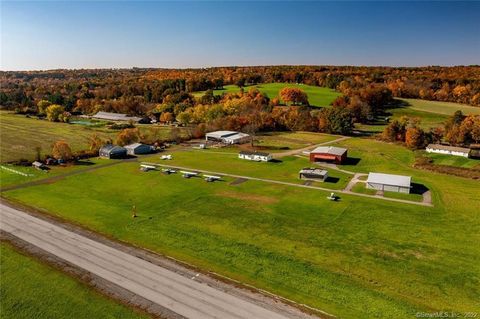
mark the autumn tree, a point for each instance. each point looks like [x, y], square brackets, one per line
[294, 96]
[336, 120]
[61, 150]
[166, 117]
[415, 138]
[54, 112]
[42, 106]
[128, 136]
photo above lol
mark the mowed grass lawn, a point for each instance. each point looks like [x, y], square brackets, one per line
[19, 136]
[285, 169]
[356, 258]
[317, 96]
[30, 289]
[458, 161]
[445, 108]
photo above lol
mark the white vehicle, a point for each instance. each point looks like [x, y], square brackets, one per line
[166, 157]
[169, 171]
[187, 174]
[211, 178]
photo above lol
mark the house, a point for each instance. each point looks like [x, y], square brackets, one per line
[447, 149]
[313, 174]
[115, 117]
[112, 151]
[389, 182]
[337, 155]
[227, 137]
[138, 148]
[255, 156]
[39, 165]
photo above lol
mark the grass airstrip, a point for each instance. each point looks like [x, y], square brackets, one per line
[355, 258]
[31, 289]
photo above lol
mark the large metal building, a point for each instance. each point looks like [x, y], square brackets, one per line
[138, 148]
[389, 182]
[112, 151]
[227, 137]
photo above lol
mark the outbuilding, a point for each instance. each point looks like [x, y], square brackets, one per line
[255, 156]
[313, 174]
[227, 137]
[448, 150]
[112, 151]
[337, 155]
[389, 182]
[39, 165]
[138, 148]
[115, 117]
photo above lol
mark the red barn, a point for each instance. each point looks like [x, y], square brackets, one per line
[337, 155]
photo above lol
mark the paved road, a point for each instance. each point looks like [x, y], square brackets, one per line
[182, 295]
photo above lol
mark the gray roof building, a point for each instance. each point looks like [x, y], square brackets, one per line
[115, 117]
[138, 148]
[112, 151]
[389, 182]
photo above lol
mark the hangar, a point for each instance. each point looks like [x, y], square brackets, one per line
[337, 155]
[389, 182]
[227, 137]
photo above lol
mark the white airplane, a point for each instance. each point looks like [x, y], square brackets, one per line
[166, 157]
[211, 178]
[146, 168]
[187, 174]
[169, 171]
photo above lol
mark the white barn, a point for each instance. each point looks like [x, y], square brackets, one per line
[227, 137]
[389, 182]
[255, 156]
[448, 150]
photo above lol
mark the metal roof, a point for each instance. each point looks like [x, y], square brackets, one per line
[220, 134]
[313, 171]
[254, 153]
[135, 145]
[330, 150]
[237, 135]
[115, 116]
[112, 148]
[389, 179]
[448, 148]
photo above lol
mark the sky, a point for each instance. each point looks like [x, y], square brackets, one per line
[121, 34]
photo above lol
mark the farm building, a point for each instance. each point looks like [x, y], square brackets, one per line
[115, 117]
[475, 151]
[255, 156]
[138, 148]
[389, 182]
[38, 165]
[315, 174]
[227, 137]
[112, 151]
[338, 155]
[449, 150]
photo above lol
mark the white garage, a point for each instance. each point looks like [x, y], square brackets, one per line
[389, 182]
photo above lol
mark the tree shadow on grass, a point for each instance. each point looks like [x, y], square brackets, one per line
[351, 161]
[84, 163]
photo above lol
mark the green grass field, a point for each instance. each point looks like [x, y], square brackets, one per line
[356, 258]
[450, 160]
[31, 289]
[445, 108]
[20, 136]
[317, 96]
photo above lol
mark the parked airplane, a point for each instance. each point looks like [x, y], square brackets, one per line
[187, 174]
[168, 171]
[166, 157]
[146, 168]
[211, 178]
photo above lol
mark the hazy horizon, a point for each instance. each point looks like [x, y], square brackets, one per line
[117, 35]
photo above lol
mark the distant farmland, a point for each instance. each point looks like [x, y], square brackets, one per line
[317, 96]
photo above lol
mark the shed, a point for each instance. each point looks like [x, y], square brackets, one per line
[138, 148]
[337, 155]
[112, 151]
[389, 182]
[447, 149]
[115, 117]
[314, 174]
[255, 156]
[227, 137]
[38, 165]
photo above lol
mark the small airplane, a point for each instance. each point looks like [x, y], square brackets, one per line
[166, 157]
[332, 197]
[187, 174]
[168, 171]
[211, 178]
[146, 168]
